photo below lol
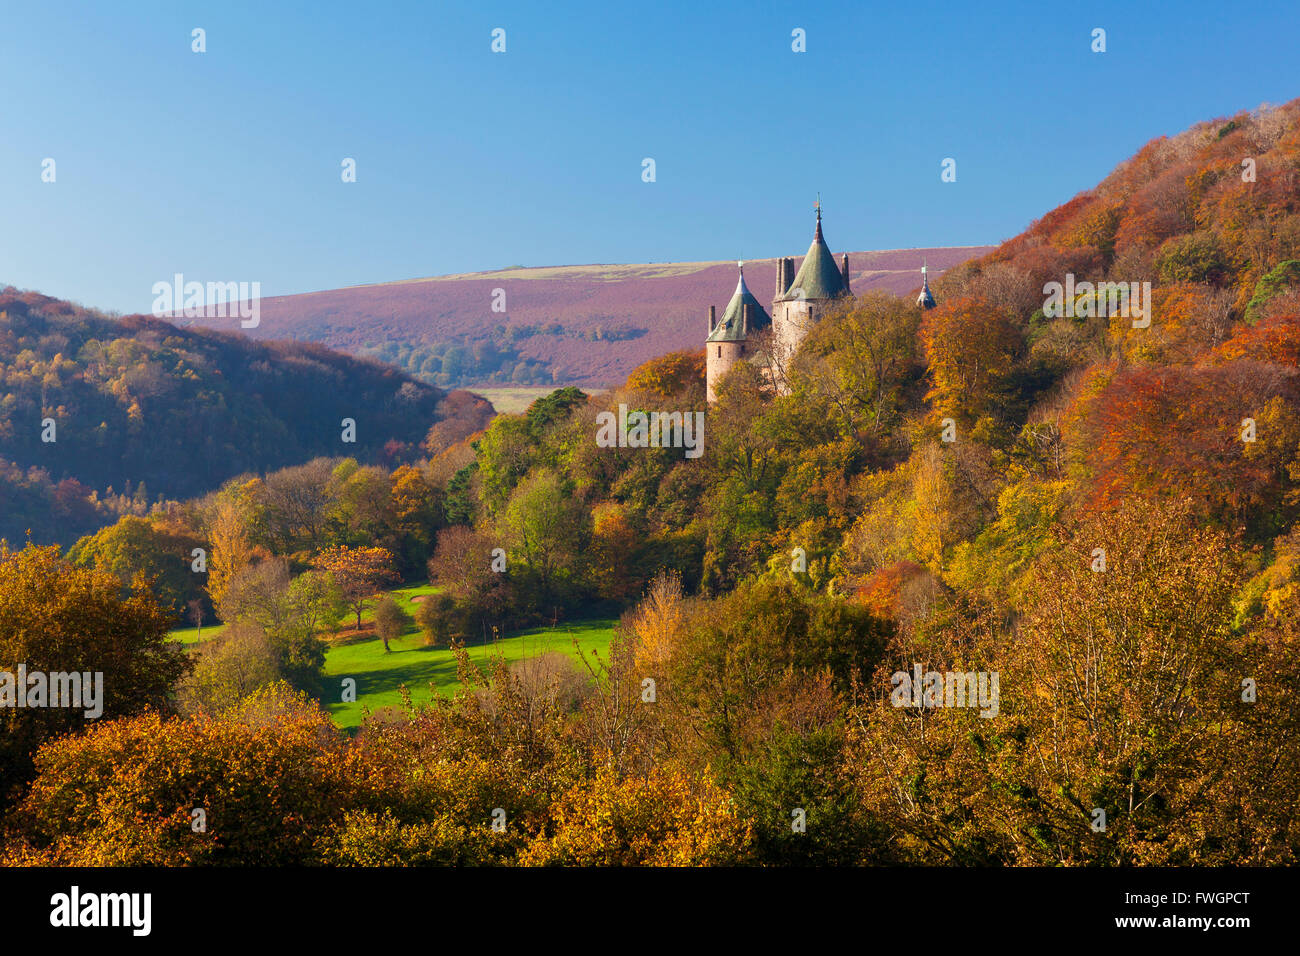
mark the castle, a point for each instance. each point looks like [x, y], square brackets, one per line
[748, 333]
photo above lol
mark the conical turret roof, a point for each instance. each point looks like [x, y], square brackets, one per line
[926, 299]
[732, 326]
[818, 276]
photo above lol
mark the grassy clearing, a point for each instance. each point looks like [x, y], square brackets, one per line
[190, 636]
[380, 676]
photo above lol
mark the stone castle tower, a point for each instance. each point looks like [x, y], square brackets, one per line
[801, 300]
[736, 336]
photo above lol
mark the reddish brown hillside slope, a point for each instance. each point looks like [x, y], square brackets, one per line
[583, 325]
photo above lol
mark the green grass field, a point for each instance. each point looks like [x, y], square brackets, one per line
[380, 676]
[415, 665]
[190, 636]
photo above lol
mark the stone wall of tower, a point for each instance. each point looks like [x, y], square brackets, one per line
[791, 322]
[720, 358]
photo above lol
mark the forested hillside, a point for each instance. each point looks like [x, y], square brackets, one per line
[144, 411]
[1091, 514]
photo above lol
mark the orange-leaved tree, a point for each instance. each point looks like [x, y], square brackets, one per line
[669, 375]
[58, 619]
[258, 785]
[970, 347]
[360, 573]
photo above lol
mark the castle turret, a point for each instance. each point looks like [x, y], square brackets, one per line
[730, 339]
[818, 277]
[807, 296]
[926, 299]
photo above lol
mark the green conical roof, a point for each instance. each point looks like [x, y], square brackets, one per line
[818, 277]
[731, 328]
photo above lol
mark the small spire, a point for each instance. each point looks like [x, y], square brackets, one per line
[926, 299]
[818, 206]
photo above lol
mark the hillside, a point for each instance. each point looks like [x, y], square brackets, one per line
[570, 325]
[984, 574]
[1214, 205]
[144, 410]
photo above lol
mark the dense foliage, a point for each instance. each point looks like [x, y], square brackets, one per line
[144, 411]
[1098, 512]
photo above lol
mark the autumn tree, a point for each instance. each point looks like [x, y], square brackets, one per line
[462, 564]
[1128, 679]
[136, 545]
[613, 553]
[658, 623]
[1162, 431]
[971, 348]
[291, 612]
[295, 505]
[1273, 337]
[460, 415]
[670, 375]
[437, 619]
[359, 573]
[256, 595]
[665, 819]
[857, 359]
[272, 776]
[361, 508]
[56, 617]
[546, 530]
[390, 621]
[228, 668]
[418, 513]
[230, 543]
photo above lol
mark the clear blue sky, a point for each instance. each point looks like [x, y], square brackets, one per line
[226, 165]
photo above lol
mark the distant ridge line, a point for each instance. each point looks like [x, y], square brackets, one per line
[701, 263]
